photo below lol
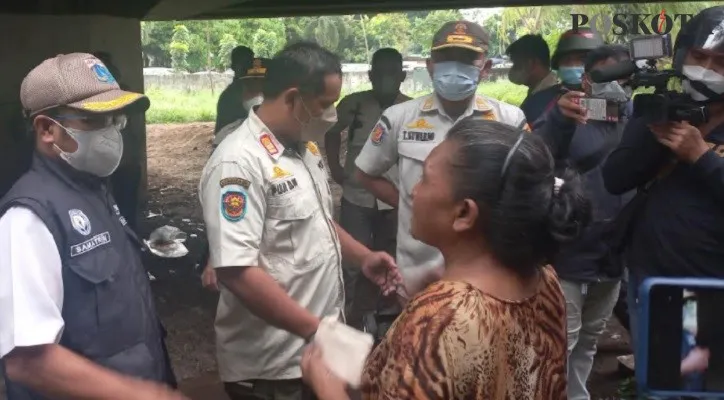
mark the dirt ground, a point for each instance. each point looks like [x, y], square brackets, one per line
[176, 156]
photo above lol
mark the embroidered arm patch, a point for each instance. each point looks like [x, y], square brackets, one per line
[378, 134]
[233, 203]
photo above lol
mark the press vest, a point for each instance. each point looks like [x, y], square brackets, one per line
[108, 308]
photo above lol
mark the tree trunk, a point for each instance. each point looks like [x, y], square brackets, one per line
[364, 33]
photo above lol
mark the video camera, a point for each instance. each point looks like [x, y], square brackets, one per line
[663, 105]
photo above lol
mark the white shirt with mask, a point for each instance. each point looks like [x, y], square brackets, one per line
[405, 135]
[359, 112]
[269, 206]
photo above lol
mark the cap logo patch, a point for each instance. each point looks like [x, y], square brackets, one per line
[461, 29]
[101, 71]
[459, 39]
[256, 68]
[114, 104]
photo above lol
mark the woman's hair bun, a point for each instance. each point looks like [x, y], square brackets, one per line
[570, 210]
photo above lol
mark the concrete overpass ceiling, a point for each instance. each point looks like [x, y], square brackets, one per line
[223, 9]
[125, 9]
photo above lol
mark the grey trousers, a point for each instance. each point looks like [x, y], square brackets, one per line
[376, 229]
[588, 308]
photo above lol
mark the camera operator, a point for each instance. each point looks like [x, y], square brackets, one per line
[677, 228]
[590, 282]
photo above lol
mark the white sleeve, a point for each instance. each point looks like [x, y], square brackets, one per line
[379, 153]
[31, 282]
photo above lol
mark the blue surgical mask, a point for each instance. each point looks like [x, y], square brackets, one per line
[570, 75]
[455, 81]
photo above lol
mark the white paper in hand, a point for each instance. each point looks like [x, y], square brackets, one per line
[344, 349]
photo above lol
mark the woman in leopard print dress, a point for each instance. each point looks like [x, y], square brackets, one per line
[494, 326]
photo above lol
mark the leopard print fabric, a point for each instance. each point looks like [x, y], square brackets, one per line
[454, 342]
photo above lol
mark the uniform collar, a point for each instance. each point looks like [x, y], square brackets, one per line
[431, 103]
[273, 146]
[72, 177]
[550, 80]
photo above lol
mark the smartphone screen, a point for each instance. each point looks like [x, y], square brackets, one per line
[600, 109]
[685, 339]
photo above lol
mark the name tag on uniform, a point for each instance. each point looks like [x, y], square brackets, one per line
[278, 189]
[419, 131]
[96, 241]
[415, 136]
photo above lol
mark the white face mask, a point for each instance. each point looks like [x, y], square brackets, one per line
[314, 129]
[254, 101]
[712, 80]
[99, 152]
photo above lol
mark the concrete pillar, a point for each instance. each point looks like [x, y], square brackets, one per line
[29, 39]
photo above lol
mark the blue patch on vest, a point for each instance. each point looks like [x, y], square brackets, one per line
[96, 241]
[103, 74]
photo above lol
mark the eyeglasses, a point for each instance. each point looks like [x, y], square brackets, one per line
[100, 121]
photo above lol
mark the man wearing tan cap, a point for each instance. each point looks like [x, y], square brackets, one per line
[77, 317]
[409, 131]
[252, 87]
[230, 107]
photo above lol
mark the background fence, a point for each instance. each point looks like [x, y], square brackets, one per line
[418, 81]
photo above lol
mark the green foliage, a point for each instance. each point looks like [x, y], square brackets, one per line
[226, 45]
[328, 31]
[178, 106]
[179, 47]
[206, 44]
[389, 30]
[423, 29]
[504, 91]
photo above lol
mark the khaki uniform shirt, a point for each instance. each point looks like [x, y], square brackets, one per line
[406, 134]
[359, 112]
[269, 206]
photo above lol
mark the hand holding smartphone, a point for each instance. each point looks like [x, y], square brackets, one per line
[600, 109]
[680, 351]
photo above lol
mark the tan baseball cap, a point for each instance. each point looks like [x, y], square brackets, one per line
[78, 80]
[258, 68]
[462, 34]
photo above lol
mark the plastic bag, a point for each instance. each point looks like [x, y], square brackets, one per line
[344, 349]
[167, 241]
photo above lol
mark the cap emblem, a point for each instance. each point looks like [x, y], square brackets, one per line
[101, 71]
